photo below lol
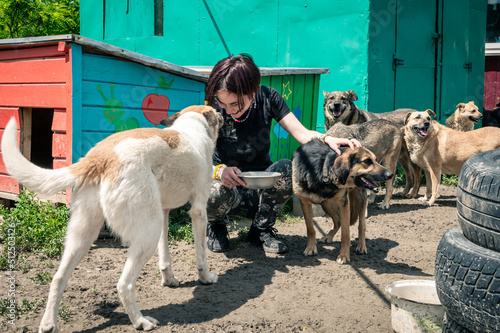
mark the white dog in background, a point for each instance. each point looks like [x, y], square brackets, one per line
[130, 180]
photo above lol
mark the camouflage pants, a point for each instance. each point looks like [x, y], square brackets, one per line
[262, 206]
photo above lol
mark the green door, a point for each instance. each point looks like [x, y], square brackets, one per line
[414, 60]
[463, 54]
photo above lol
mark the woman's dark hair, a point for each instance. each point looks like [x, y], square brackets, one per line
[236, 74]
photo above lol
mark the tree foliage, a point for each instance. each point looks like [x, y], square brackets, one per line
[30, 18]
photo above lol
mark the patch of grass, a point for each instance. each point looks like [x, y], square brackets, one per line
[64, 312]
[449, 180]
[32, 226]
[243, 233]
[400, 179]
[42, 278]
[25, 307]
[180, 227]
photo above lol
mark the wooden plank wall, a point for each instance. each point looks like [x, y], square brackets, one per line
[36, 77]
[299, 92]
[119, 95]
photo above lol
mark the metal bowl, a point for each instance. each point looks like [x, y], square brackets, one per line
[259, 179]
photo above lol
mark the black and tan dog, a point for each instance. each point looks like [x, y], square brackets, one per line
[339, 107]
[321, 176]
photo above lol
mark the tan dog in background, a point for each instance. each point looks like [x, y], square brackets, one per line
[441, 150]
[464, 117]
[131, 180]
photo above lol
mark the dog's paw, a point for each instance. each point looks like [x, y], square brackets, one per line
[342, 259]
[424, 198]
[383, 206]
[171, 282]
[146, 323]
[427, 203]
[209, 278]
[48, 329]
[410, 195]
[326, 240]
[361, 249]
[311, 251]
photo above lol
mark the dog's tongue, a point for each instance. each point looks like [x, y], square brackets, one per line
[370, 184]
[337, 114]
[423, 131]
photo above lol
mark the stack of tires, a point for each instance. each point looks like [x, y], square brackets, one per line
[467, 267]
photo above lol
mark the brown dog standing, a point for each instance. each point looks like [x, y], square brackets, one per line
[442, 150]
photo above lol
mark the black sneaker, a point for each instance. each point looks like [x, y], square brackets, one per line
[267, 239]
[217, 238]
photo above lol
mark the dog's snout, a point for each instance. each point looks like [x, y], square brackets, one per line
[426, 123]
[336, 105]
[388, 175]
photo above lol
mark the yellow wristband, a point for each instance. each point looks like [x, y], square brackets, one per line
[218, 170]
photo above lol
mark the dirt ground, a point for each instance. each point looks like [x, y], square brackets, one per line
[258, 292]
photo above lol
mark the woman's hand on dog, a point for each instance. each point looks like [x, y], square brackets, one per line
[335, 143]
[230, 179]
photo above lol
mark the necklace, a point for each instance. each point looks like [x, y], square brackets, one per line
[252, 105]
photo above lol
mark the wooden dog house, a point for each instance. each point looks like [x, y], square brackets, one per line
[69, 92]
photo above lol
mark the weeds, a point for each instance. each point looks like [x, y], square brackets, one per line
[35, 227]
[180, 228]
[19, 309]
[42, 278]
[64, 312]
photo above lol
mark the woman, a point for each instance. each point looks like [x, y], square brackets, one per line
[243, 144]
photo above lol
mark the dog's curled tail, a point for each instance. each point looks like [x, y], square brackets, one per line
[42, 181]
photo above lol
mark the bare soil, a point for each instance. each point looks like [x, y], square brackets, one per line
[257, 292]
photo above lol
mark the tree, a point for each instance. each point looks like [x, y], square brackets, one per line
[29, 18]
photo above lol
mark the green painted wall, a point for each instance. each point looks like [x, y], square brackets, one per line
[357, 40]
[322, 34]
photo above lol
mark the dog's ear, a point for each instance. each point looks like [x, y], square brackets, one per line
[407, 117]
[325, 93]
[471, 102]
[211, 117]
[352, 95]
[326, 176]
[431, 113]
[342, 166]
[167, 122]
[460, 105]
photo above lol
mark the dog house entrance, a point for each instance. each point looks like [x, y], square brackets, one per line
[36, 136]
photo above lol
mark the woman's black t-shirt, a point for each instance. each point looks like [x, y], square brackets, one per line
[246, 145]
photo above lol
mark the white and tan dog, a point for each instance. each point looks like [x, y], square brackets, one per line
[441, 150]
[130, 179]
[464, 117]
